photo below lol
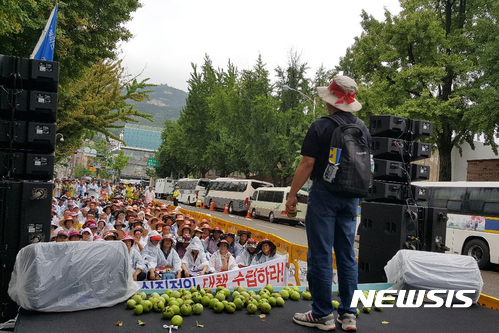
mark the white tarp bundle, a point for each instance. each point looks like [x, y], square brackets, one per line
[72, 276]
[429, 270]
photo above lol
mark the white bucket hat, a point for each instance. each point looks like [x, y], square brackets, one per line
[341, 94]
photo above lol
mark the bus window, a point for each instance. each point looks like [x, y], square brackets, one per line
[278, 197]
[203, 183]
[242, 186]
[442, 195]
[491, 208]
[256, 185]
[254, 196]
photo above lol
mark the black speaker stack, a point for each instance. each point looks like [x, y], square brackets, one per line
[28, 111]
[394, 216]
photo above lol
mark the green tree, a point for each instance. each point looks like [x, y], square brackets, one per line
[119, 163]
[81, 171]
[435, 60]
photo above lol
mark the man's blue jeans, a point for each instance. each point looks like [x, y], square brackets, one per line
[330, 222]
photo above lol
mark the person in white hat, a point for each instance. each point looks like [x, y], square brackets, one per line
[330, 215]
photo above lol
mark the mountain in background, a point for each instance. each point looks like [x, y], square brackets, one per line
[164, 102]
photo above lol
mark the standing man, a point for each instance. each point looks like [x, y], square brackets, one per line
[149, 195]
[331, 216]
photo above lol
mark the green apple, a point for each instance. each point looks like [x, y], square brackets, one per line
[366, 310]
[177, 320]
[265, 307]
[306, 295]
[143, 295]
[197, 308]
[270, 288]
[180, 301]
[284, 294]
[205, 301]
[212, 303]
[154, 295]
[239, 303]
[257, 297]
[186, 310]
[158, 306]
[138, 309]
[295, 295]
[173, 301]
[252, 308]
[165, 297]
[358, 312]
[219, 288]
[219, 307]
[203, 292]
[245, 294]
[279, 301]
[175, 294]
[193, 289]
[286, 288]
[272, 301]
[175, 308]
[220, 296]
[137, 299]
[235, 294]
[147, 305]
[295, 288]
[168, 312]
[197, 298]
[130, 304]
[336, 304]
[230, 307]
[210, 296]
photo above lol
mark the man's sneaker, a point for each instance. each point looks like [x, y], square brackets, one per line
[348, 322]
[307, 319]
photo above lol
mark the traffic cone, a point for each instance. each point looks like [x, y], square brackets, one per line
[212, 207]
[226, 210]
[248, 215]
[204, 207]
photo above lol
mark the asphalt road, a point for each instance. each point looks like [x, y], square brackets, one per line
[296, 234]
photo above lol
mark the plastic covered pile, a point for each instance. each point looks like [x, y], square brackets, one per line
[72, 276]
[429, 270]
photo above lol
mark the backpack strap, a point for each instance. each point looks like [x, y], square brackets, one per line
[336, 119]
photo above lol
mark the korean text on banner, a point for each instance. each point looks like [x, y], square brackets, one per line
[272, 272]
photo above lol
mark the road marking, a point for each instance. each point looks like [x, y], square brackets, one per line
[262, 225]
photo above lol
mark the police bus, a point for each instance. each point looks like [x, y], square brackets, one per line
[164, 187]
[234, 192]
[189, 190]
[473, 212]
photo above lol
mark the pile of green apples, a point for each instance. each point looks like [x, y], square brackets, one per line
[176, 304]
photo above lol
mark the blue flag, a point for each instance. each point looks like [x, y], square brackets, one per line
[44, 49]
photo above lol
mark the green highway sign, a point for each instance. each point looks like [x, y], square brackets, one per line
[152, 162]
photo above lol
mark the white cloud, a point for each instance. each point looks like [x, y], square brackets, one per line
[170, 34]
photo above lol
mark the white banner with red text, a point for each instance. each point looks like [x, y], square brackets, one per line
[273, 272]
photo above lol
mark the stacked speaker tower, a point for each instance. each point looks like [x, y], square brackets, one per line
[28, 109]
[395, 215]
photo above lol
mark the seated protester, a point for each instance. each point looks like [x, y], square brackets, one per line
[68, 224]
[119, 225]
[53, 228]
[171, 256]
[86, 235]
[139, 235]
[234, 247]
[179, 221]
[206, 231]
[246, 256]
[157, 225]
[98, 238]
[110, 235]
[167, 230]
[101, 224]
[185, 229]
[62, 236]
[265, 251]
[136, 261]
[152, 255]
[199, 233]
[194, 262]
[222, 260]
[244, 235]
[211, 243]
[82, 215]
[93, 228]
[108, 211]
[182, 243]
[74, 236]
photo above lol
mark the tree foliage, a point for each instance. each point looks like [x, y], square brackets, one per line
[237, 122]
[93, 85]
[120, 161]
[435, 60]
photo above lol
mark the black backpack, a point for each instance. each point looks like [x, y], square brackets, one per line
[353, 173]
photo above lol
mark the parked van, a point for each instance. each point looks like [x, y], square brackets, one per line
[271, 202]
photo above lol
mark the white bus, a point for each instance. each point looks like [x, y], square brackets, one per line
[191, 189]
[271, 202]
[235, 192]
[473, 212]
[164, 187]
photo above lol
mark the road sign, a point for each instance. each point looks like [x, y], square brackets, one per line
[111, 172]
[92, 169]
[152, 162]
